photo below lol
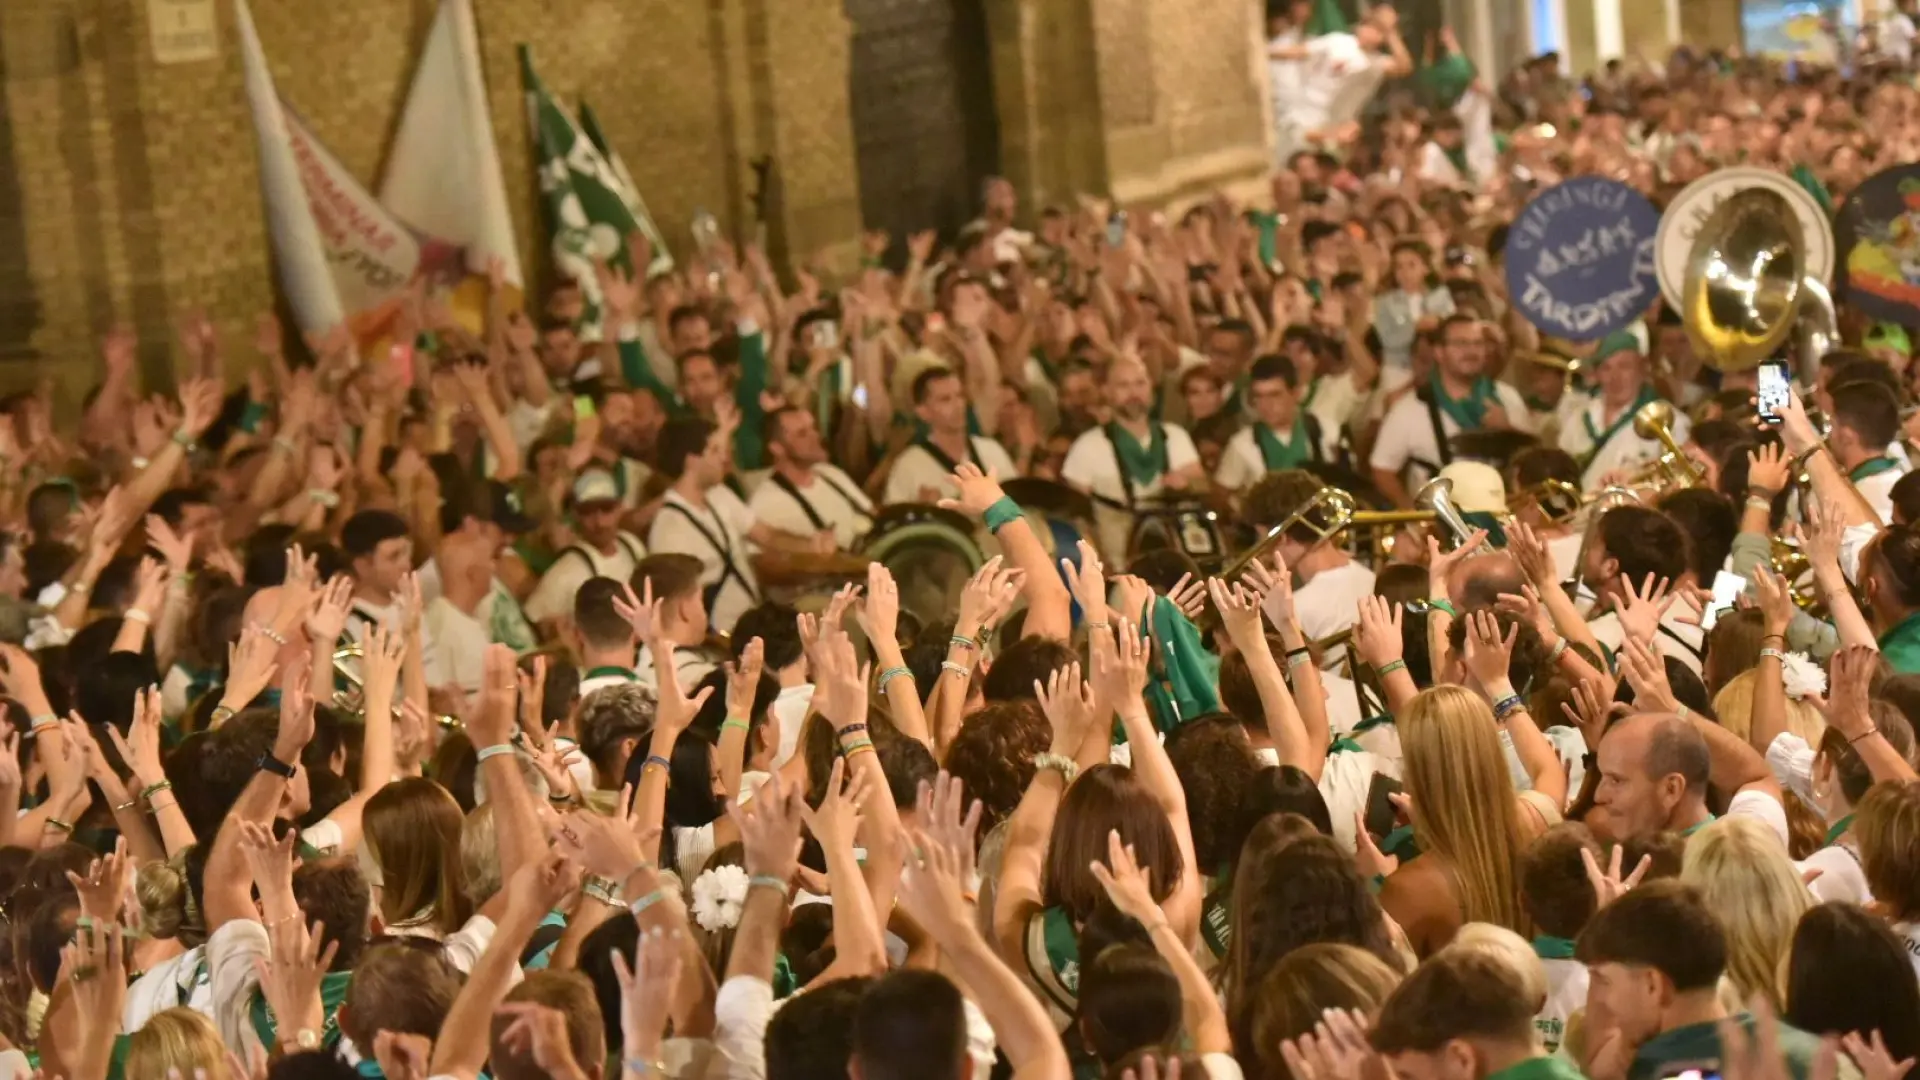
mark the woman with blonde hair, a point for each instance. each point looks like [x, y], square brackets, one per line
[1296, 994]
[1744, 875]
[1733, 705]
[177, 1042]
[411, 855]
[1470, 826]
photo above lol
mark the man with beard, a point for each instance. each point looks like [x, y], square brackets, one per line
[1130, 458]
[804, 494]
[604, 549]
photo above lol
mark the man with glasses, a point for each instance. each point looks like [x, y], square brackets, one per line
[1458, 396]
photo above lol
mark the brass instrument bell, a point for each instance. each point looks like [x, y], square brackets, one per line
[1436, 495]
[1327, 515]
[1673, 468]
[1744, 279]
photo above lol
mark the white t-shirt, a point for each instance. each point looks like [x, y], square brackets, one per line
[1762, 807]
[183, 980]
[553, 597]
[716, 534]
[463, 642]
[1241, 462]
[1565, 551]
[364, 614]
[1566, 994]
[833, 496]
[1407, 441]
[1093, 465]
[1329, 603]
[1878, 491]
[1337, 402]
[690, 665]
[1622, 450]
[1910, 936]
[1682, 641]
[790, 708]
[917, 468]
[1337, 79]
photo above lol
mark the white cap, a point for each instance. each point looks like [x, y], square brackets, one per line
[595, 485]
[1477, 487]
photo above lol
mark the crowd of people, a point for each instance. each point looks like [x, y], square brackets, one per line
[519, 702]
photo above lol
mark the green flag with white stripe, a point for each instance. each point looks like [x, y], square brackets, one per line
[586, 211]
[629, 191]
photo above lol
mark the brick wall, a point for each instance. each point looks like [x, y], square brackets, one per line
[129, 191]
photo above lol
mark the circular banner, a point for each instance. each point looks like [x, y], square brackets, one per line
[1878, 234]
[1681, 223]
[1580, 258]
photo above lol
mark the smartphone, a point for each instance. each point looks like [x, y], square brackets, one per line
[1117, 228]
[1775, 390]
[582, 407]
[1726, 591]
[1381, 815]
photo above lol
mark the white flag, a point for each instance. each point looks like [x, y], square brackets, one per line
[443, 174]
[341, 256]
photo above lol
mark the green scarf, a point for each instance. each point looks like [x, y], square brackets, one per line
[1838, 830]
[1873, 467]
[1144, 464]
[1191, 673]
[1469, 412]
[1284, 455]
[1327, 18]
[1553, 948]
[1601, 438]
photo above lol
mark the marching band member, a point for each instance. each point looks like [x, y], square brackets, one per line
[1633, 550]
[1330, 581]
[1601, 434]
[921, 470]
[805, 493]
[1283, 435]
[1530, 469]
[1130, 458]
[1413, 442]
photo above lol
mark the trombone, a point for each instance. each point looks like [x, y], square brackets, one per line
[1557, 500]
[1333, 511]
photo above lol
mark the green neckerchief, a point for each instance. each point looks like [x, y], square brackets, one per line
[1838, 830]
[1216, 915]
[1063, 948]
[1371, 722]
[1872, 467]
[609, 670]
[1327, 18]
[1601, 438]
[784, 983]
[333, 991]
[1470, 412]
[1696, 827]
[1268, 230]
[1284, 455]
[1545, 1067]
[1553, 948]
[1344, 744]
[1144, 464]
[1401, 844]
[1806, 179]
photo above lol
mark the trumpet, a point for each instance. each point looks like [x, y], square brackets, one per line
[1436, 495]
[1673, 469]
[1557, 500]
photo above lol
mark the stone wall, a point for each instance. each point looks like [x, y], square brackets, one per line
[129, 190]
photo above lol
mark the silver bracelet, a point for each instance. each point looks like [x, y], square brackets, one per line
[959, 670]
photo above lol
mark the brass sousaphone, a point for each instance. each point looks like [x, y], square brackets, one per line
[1747, 286]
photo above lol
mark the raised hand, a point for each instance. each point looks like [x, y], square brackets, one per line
[841, 681]
[1126, 883]
[983, 594]
[838, 816]
[1852, 670]
[1608, 885]
[641, 612]
[603, 846]
[1768, 467]
[104, 889]
[743, 679]
[383, 651]
[1239, 613]
[538, 1032]
[327, 618]
[1527, 608]
[176, 550]
[1776, 600]
[291, 979]
[1367, 856]
[1531, 553]
[1820, 537]
[1088, 583]
[1132, 595]
[1641, 608]
[647, 990]
[1336, 1049]
[1488, 652]
[1377, 634]
[1441, 563]
[1120, 673]
[1646, 671]
[880, 615]
[978, 490]
[1068, 704]
[1190, 596]
[769, 825]
[270, 860]
[251, 663]
[1590, 710]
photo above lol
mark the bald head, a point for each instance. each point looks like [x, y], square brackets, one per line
[1478, 581]
[1653, 773]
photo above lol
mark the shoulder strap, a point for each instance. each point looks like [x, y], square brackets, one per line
[627, 547]
[1682, 642]
[720, 545]
[1439, 432]
[852, 503]
[1314, 450]
[941, 456]
[793, 492]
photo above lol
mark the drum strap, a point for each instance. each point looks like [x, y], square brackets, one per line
[722, 546]
[1682, 642]
[946, 462]
[592, 567]
[807, 508]
[1439, 432]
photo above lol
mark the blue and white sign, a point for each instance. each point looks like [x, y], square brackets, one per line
[1580, 258]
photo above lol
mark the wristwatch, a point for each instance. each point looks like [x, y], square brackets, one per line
[269, 763]
[304, 1040]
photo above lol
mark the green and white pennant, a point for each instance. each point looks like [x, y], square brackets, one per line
[587, 212]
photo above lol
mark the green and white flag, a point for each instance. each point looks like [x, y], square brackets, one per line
[630, 191]
[586, 213]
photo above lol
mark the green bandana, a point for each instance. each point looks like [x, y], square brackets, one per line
[1470, 412]
[1144, 464]
[1553, 948]
[1601, 438]
[1838, 830]
[1872, 468]
[1284, 455]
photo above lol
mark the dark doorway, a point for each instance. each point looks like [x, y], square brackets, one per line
[924, 123]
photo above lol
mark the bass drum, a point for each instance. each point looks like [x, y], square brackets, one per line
[931, 552]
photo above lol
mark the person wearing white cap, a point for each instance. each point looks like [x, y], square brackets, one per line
[1601, 436]
[804, 494]
[604, 550]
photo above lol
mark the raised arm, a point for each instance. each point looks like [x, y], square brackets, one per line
[1127, 886]
[1240, 617]
[880, 615]
[1049, 607]
[140, 749]
[516, 822]
[1489, 655]
[1122, 676]
[1853, 670]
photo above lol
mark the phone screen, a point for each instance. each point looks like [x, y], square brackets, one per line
[1726, 591]
[1775, 389]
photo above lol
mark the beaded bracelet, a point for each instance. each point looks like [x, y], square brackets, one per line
[655, 761]
[493, 751]
[959, 670]
[891, 674]
[1064, 765]
[1507, 706]
[964, 641]
[1390, 667]
[851, 729]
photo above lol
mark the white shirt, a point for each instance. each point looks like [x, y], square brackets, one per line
[745, 1005]
[1241, 462]
[463, 642]
[1407, 439]
[832, 494]
[231, 952]
[1566, 994]
[790, 708]
[916, 468]
[1878, 491]
[553, 598]
[1682, 641]
[1762, 807]
[1337, 79]
[726, 521]
[1565, 552]
[184, 980]
[690, 665]
[1623, 450]
[1330, 602]
[1345, 782]
[1910, 936]
[1093, 465]
[364, 614]
[616, 677]
[1337, 402]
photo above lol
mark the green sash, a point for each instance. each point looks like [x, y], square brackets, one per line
[333, 991]
[1838, 830]
[1553, 948]
[1284, 455]
[1600, 439]
[1143, 464]
[1467, 413]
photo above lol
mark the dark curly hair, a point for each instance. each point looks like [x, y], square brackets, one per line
[1217, 770]
[992, 756]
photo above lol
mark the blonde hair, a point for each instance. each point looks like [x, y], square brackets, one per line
[1510, 950]
[1305, 983]
[1733, 708]
[1465, 809]
[1743, 874]
[177, 1038]
[1887, 828]
[480, 855]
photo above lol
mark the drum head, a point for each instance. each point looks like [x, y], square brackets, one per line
[930, 561]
